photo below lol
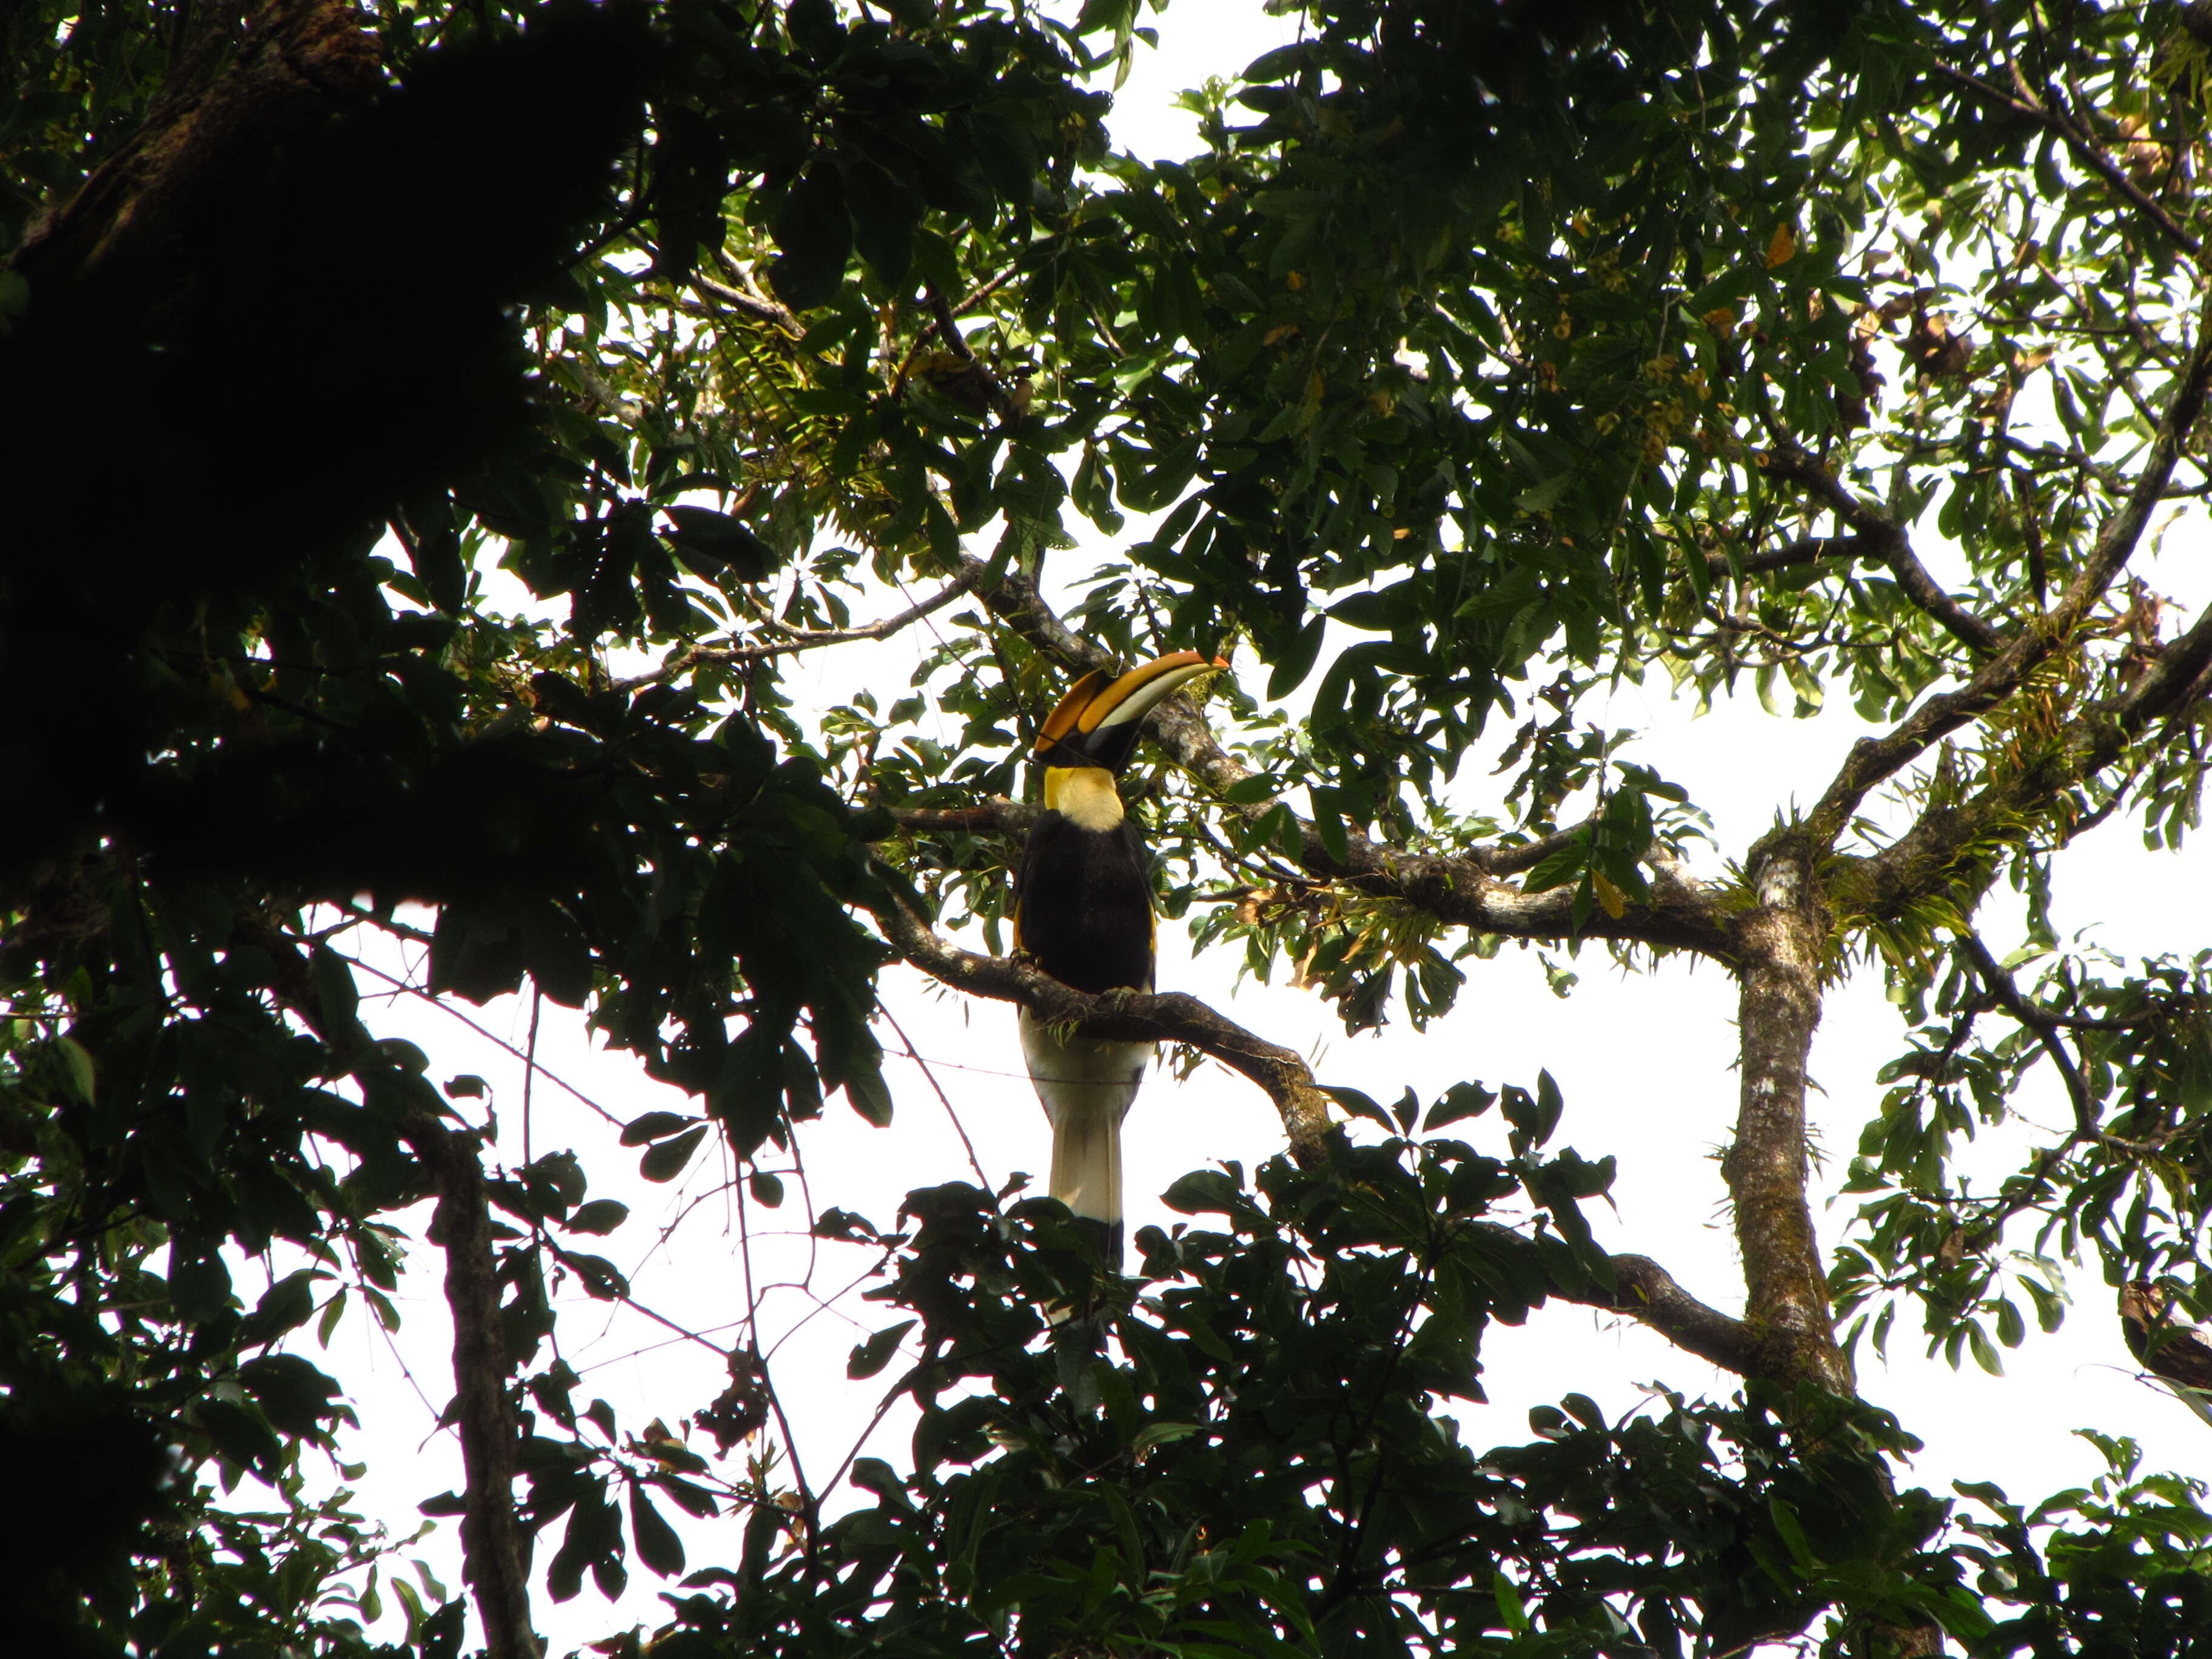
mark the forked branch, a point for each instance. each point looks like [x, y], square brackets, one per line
[1887, 542]
[1872, 760]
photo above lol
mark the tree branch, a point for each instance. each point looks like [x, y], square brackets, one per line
[1886, 542]
[1875, 759]
[1003, 403]
[1123, 1016]
[495, 1551]
[1645, 1290]
[994, 815]
[1786, 1306]
[2006, 995]
[1920, 861]
[495, 1556]
[798, 639]
[1649, 1292]
[2085, 148]
[754, 305]
[1808, 549]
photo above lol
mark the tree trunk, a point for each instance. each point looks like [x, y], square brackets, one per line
[1778, 969]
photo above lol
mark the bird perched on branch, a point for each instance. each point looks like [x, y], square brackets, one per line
[1083, 913]
[2181, 1356]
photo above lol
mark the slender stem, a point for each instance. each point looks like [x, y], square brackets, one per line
[496, 1553]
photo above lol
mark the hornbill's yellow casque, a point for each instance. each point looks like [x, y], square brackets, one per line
[1083, 911]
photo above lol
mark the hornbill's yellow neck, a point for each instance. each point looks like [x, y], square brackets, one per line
[1084, 795]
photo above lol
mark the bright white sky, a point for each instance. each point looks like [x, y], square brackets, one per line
[1644, 1062]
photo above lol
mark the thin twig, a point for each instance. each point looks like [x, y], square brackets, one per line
[796, 640]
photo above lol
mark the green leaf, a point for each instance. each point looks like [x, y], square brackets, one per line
[1543, 497]
[1359, 1104]
[666, 1161]
[814, 234]
[1462, 1100]
[884, 213]
[335, 995]
[1297, 659]
[1201, 1191]
[1792, 1534]
[711, 544]
[654, 1125]
[1161, 1434]
[872, 1355]
[657, 1544]
[76, 1066]
[600, 1217]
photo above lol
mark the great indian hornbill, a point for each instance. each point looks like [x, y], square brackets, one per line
[2181, 1356]
[1082, 912]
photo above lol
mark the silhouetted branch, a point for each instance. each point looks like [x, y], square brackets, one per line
[1645, 1290]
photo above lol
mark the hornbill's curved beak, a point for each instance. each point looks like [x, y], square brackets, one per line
[1096, 723]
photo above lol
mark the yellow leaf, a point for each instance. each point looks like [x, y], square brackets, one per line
[1280, 332]
[1608, 895]
[1781, 248]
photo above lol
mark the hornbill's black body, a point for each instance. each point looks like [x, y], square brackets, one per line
[2179, 1355]
[1082, 912]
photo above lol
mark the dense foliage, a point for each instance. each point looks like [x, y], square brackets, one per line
[1487, 355]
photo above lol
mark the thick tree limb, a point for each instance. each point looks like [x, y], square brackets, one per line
[1778, 975]
[1649, 1292]
[1124, 1017]
[1872, 760]
[753, 306]
[1463, 889]
[204, 134]
[1886, 542]
[999, 816]
[1809, 550]
[1921, 861]
[993, 816]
